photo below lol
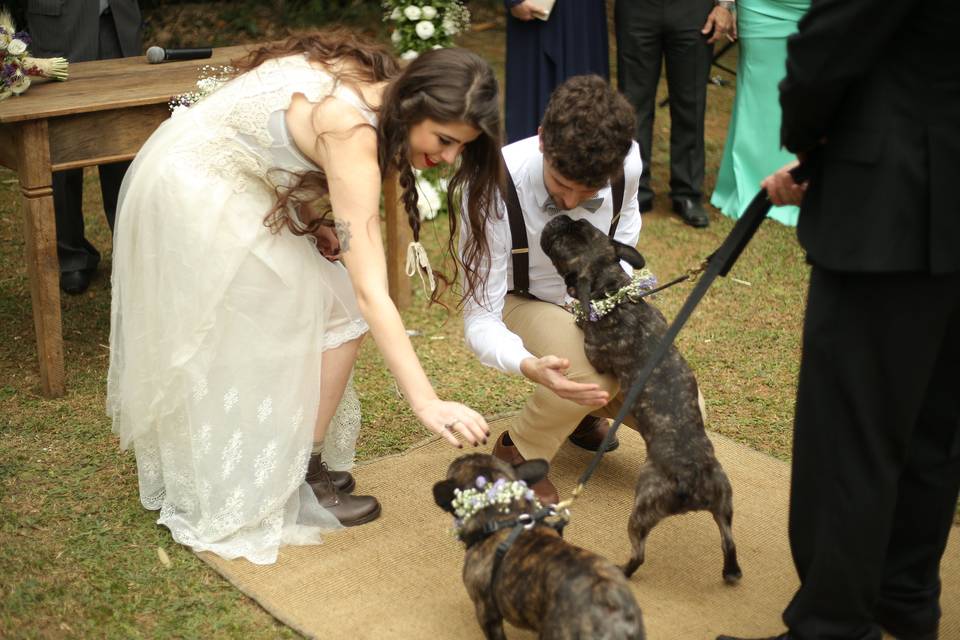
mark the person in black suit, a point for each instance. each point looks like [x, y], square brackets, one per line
[681, 33]
[82, 30]
[876, 452]
[541, 55]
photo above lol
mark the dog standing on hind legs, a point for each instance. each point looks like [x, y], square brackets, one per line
[542, 582]
[681, 472]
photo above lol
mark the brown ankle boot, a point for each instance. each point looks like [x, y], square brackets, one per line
[545, 491]
[590, 432]
[349, 510]
[342, 480]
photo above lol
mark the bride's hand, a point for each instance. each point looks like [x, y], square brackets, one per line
[450, 418]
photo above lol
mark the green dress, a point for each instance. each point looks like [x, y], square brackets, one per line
[752, 151]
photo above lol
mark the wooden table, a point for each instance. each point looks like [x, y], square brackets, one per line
[62, 125]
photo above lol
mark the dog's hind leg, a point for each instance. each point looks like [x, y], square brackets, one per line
[490, 621]
[723, 515]
[648, 509]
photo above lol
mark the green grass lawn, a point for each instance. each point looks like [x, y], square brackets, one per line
[79, 555]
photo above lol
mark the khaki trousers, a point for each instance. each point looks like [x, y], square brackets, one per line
[547, 419]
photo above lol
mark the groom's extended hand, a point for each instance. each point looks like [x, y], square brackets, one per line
[550, 371]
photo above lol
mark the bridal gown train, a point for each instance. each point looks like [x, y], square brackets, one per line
[218, 325]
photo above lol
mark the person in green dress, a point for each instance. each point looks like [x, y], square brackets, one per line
[753, 150]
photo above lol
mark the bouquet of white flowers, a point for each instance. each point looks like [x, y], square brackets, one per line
[16, 66]
[420, 27]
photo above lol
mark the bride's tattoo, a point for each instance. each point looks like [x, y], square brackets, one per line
[342, 227]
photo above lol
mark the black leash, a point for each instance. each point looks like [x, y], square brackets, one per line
[718, 263]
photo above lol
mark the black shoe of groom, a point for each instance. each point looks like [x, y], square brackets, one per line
[691, 211]
[782, 636]
[590, 432]
[76, 282]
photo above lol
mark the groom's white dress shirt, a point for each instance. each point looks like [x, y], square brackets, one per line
[485, 332]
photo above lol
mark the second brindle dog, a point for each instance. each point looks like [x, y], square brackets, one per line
[681, 472]
[543, 582]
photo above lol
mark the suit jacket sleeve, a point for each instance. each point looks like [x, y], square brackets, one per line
[837, 43]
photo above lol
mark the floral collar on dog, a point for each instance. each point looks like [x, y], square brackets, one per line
[643, 280]
[501, 493]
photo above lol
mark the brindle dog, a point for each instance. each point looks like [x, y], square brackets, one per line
[544, 583]
[680, 473]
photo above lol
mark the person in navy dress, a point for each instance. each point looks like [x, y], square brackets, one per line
[541, 54]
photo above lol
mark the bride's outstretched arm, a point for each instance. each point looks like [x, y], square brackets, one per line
[349, 158]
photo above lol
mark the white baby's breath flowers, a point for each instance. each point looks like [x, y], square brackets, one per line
[16, 47]
[429, 13]
[409, 54]
[396, 14]
[425, 29]
[412, 12]
[449, 27]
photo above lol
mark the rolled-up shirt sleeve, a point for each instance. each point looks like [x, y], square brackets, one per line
[483, 327]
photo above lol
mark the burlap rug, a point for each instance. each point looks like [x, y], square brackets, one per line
[399, 577]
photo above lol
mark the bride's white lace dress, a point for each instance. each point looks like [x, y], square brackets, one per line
[218, 326]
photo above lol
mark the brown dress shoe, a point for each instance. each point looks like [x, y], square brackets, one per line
[590, 432]
[349, 510]
[545, 491]
[342, 480]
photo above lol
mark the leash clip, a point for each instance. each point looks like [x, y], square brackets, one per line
[526, 521]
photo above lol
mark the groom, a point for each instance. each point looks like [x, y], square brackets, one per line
[583, 163]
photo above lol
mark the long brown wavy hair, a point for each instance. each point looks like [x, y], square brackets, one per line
[443, 85]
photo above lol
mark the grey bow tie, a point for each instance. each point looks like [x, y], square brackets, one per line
[590, 204]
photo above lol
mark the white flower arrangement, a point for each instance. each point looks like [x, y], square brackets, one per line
[500, 494]
[16, 67]
[212, 77]
[418, 28]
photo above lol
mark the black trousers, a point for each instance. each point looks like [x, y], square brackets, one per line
[876, 453]
[73, 249]
[649, 34]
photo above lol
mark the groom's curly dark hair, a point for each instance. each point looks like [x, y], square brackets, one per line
[587, 130]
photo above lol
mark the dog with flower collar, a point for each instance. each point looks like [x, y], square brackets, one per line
[518, 568]
[621, 331]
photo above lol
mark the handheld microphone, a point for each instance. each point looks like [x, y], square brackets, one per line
[159, 54]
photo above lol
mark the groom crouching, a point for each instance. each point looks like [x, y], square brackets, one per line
[583, 163]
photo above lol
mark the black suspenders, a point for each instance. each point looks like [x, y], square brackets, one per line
[518, 231]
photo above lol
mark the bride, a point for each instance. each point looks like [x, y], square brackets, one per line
[238, 308]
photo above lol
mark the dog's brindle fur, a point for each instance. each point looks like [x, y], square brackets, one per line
[545, 583]
[680, 473]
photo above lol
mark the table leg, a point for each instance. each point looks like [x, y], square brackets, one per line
[43, 269]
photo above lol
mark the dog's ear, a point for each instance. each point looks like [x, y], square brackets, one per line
[443, 494]
[628, 254]
[532, 471]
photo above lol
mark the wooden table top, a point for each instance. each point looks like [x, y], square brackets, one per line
[111, 84]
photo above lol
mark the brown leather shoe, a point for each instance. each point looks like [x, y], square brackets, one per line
[590, 432]
[342, 480]
[349, 510]
[545, 491]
